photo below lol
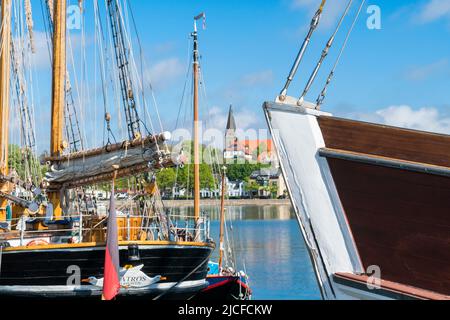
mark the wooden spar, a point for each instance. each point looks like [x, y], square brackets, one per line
[59, 75]
[222, 220]
[106, 177]
[58, 92]
[5, 62]
[125, 145]
[196, 131]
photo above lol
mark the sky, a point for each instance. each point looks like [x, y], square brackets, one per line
[397, 75]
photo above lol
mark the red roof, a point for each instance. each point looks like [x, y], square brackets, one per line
[251, 146]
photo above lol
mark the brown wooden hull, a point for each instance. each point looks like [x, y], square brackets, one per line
[399, 218]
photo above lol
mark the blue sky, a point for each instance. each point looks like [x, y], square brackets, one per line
[398, 75]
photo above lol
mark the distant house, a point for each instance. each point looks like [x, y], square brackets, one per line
[236, 189]
[269, 183]
[178, 192]
[209, 194]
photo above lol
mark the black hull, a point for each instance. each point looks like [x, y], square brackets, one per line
[45, 273]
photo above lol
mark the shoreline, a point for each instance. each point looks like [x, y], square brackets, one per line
[229, 203]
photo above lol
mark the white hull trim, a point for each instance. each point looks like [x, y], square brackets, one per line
[89, 290]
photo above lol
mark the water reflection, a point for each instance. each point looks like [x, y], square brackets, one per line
[268, 244]
[250, 212]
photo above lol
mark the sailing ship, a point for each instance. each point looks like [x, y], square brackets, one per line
[50, 247]
[372, 201]
[224, 282]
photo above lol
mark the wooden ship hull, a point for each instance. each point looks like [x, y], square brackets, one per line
[373, 203]
[47, 271]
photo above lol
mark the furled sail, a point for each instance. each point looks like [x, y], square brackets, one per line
[98, 165]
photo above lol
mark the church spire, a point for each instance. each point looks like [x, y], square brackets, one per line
[231, 124]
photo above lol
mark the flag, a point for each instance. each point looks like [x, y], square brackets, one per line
[111, 280]
[203, 17]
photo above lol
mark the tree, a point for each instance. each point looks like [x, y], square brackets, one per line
[252, 186]
[25, 163]
[166, 178]
[186, 177]
[240, 172]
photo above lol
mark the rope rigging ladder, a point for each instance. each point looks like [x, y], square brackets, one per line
[19, 83]
[27, 128]
[122, 60]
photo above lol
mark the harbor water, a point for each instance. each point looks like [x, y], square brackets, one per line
[268, 244]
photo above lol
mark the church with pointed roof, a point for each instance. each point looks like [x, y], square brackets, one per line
[260, 151]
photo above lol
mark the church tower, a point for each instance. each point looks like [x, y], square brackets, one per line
[231, 141]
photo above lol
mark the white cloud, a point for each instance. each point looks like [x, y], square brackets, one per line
[41, 56]
[419, 73]
[434, 10]
[425, 119]
[165, 72]
[331, 12]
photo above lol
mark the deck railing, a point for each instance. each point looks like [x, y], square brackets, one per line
[92, 228]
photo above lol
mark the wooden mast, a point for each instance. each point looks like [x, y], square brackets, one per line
[196, 129]
[222, 219]
[5, 63]
[58, 92]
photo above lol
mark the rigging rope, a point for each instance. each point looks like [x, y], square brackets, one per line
[122, 61]
[314, 23]
[322, 95]
[21, 51]
[29, 18]
[324, 55]
[184, 278]
[144, 79]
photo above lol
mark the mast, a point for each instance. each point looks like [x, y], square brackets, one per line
[5, 63]
[196, 125]
[222, 219]
[57, 144]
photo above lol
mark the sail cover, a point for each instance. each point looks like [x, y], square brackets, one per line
[98, 165]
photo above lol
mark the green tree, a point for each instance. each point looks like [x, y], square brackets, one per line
[252, 186]
[25, 163]
[240, 172]
[166, 178]
[186, 177]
